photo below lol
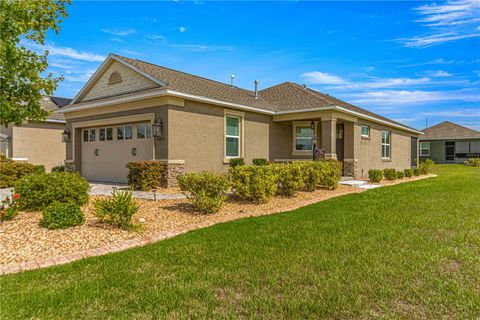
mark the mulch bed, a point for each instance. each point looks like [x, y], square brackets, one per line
[23, 240]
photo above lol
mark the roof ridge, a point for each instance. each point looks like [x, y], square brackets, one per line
[451, 123]
[186, 73]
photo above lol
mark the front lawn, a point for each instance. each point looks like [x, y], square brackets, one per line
[410, 251]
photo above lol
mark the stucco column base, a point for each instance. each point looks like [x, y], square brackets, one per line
[350, 167]
[69, 166]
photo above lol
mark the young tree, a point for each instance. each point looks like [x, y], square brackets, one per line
[21, 81]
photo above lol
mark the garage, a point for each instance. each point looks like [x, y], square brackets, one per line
[106, 150]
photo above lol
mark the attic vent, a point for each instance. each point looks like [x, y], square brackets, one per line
[115, 78]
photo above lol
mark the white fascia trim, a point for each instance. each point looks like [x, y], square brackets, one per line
[305, 110]
[103, 66]
[158, 93]
[55, 121]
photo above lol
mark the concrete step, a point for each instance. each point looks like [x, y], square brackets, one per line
[353, 183]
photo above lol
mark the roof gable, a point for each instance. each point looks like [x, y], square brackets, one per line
[449, 130]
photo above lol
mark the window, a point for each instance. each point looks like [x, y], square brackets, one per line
[101, 134]
[92, 135]
[425, 148]
[85, 135]
[232, 136]
[120, 133]
[365, 131]
[148, 131]
[141, 131]
[109, 133]
[386, 137]
[128, 132]
[115, 78]
[303, 137]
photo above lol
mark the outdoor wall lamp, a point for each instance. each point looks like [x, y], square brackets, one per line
[66, 135]
[157, 128]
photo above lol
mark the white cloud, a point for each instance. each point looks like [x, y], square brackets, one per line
[466, 113]
[119, 32]
[368, 69]
[161, 40]
[412, 97]
[446, 22]
[182, 29]
[118, 40]
[435, 73]
[317, 77]
[65, 52]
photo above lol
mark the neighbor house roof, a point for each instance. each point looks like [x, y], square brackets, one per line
[50, 103]
[449, 130]
[284, 97]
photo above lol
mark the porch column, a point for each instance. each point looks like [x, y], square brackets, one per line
[352, 145]
[329, 142]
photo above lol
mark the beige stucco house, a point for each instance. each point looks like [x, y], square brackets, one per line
[37, 142]
[133, 110]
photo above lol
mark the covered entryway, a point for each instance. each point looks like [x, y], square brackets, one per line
[106, 150]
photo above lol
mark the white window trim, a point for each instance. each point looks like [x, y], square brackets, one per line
[387, 144]
[240, 116]
[420, 149]
[295, 124]
[365, 135]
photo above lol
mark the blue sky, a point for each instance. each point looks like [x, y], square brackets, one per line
[405, 60]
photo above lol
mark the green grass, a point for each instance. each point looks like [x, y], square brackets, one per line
[405, 251]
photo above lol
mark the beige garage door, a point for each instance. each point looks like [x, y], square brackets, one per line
[107, 150]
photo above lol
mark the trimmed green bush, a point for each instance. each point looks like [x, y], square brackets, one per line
[260, 162]
[400, 174]
[146, 175]
[60, 168]
[59, 215]
[311, 174]
[426, 166]
[37, 191]
[117, 210]
[205, 190]
[408, 173]
[417, 172]
[3, 158]
[330, 173]
[236, 162]
[289, 178]
[257, 184]
[390, 174]
[11, 172]
[473, 162]
[375, 175]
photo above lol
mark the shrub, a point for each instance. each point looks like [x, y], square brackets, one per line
[60, 168]
[59, 215]
[417, 172]
[408, 173]
[473, 162]
[289, 178]
[37, 191]
[330, 173]
[11, 171]
[205, 190]
[117, 210]
[426, 166]
[311, 173]
[237, 162]
[375, 175]
[260, 162]
[390, 174]
[3, 158]
[400, 174]
[146, 175]
[257, 184]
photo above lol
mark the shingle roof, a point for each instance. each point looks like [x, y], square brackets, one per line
[449, 130]
[53, 104]
[287, 96]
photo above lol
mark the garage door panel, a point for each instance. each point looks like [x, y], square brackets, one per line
[107, 160]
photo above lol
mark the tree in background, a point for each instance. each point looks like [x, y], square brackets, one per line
[21, 83]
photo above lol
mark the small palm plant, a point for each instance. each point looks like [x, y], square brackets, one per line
[117, 210]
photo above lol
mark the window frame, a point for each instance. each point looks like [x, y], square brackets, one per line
[295, 124]
[420, 149]
[240, 116]
[90, 135]
[361, 131]
[389, 145]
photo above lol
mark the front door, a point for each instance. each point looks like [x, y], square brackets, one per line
[340, 144]
[449, 151]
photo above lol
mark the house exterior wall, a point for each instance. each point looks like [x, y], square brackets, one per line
[437, 150]
[131, 81]
[39, 143]
[369, 153]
